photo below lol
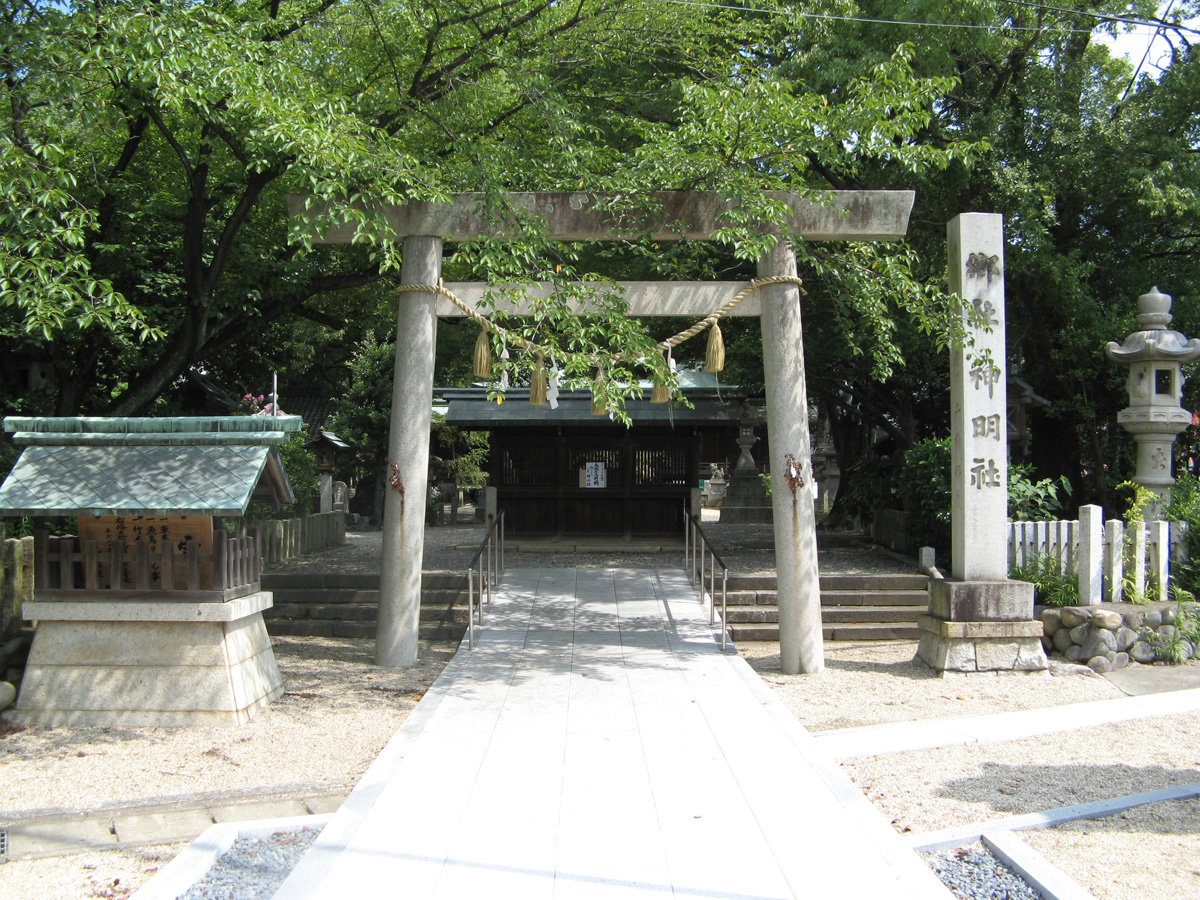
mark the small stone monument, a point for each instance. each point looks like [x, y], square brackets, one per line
[1155, 356]
[979, 621]
[746, 499]
[151, 616]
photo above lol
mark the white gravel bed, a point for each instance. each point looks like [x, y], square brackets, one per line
[338, 711]
[253, 868]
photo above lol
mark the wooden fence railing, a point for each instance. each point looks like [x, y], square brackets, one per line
[1109, 557]
[65, 571]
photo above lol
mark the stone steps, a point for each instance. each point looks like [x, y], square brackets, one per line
[322, 605]
[858, 631]
[853, 607]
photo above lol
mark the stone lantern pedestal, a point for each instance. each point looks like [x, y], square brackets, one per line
[1155, 356]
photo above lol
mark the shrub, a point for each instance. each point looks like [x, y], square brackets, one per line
[1051, 586]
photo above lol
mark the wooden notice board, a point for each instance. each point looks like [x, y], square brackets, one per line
[155, 531]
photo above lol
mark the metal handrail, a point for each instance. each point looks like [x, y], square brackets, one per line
[695, 545]
[490, 548]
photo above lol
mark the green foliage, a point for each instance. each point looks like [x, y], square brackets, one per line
[923, 487]
[1035, 501]
[1051, 586]
[1184, 506]
[1141, 499]
[147, 150]
[1174, 646]
[464, 453]
[301, 468]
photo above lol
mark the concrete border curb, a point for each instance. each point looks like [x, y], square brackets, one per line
[931, 734]
[949, 838]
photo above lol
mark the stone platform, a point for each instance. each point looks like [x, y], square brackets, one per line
[147, 662]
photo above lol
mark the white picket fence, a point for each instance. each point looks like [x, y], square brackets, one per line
[1097, 551]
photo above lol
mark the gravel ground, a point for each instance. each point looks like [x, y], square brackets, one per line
[340, 710]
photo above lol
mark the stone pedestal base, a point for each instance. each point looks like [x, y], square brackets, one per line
[981, 627]
[148, 662]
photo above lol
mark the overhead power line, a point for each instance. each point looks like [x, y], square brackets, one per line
[708, 4]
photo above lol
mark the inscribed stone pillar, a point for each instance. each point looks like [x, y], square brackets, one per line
[408, 449]
[978, 397]
[800, 640]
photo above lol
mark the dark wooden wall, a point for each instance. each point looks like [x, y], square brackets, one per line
[649, 476]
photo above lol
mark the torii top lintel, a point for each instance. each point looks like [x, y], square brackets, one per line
[574, 216]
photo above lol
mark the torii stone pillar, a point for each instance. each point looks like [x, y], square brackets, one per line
[801, 646]
[408, 449]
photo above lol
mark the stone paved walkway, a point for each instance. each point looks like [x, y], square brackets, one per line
[598, 743]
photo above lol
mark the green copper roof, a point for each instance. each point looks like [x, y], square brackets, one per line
[206, 466]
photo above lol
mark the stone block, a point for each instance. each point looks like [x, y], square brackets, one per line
[1073, 617]
[1135, 619]
[1051, 620]
[1062, 640]
[1106, 618]
[1154, 618]
[1126, 638]
[1142, 652]
[981, 601]
[42, 839]
[1168, 616]
[128, 644]
[8, 693]
[162, 827]
[1099, 665]
[1099, 642]
[1030, 657]
[1120, 660]
[101, 610]
[258, 809]
[1047, 643]
[255, 679]
[1079, 634]
[1073, 653]
[994, 655]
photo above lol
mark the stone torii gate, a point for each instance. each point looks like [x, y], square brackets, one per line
[423, 226]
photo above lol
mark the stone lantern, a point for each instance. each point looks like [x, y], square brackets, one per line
[1154, 417]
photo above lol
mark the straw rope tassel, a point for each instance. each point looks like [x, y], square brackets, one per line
[714, 355]
[660, 393]
[598, 408]
[537, 382]
[483, 355]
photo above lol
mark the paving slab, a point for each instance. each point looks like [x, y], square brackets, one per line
[258, 809]
[163, 827]
[598, 743]
[36, 840]
[1136, 681]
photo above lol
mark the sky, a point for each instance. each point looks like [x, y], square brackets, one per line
[1132, 45]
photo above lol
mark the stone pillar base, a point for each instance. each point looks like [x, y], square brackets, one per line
[135, 662]
[981, 627]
